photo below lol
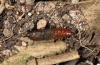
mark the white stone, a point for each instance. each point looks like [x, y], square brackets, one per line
[24, 43]
[41, 24]
[73, 14]
[29, 14]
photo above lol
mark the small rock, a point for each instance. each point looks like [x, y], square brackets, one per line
[56, 22]
[7, 32]
[26, 39]
[66, 17]
[72, 14]
[41, 24]
[30, 2]
[28, 26]
[29, 14]
[22, 1]
[7, 24]
[24, 44]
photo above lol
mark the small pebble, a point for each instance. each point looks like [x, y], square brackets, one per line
[7, 24]
[30, 2]
[28, 26]
[24, 44]
[66, 17]
[29, 14]
[7, 32]
[56, 22]
[41, 24]
[22, 1]
[73, 14]
[26, 39]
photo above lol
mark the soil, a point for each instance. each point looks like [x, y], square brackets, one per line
[32, 16]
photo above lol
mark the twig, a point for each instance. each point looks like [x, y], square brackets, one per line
[40, 49]
[58, 58]
[80, 41]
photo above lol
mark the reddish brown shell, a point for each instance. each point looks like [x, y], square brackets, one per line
[49, 34]
[61, 32]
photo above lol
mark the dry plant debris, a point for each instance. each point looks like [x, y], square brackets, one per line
[59, 58]
[19, 18]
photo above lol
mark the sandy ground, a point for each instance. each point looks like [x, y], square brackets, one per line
[92, 14]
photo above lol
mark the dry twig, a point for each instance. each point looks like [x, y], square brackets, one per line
[40, 49]
[58, 58]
